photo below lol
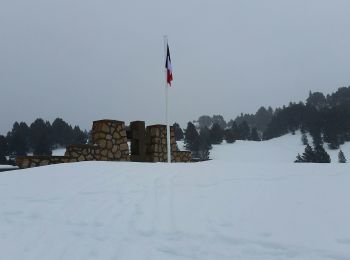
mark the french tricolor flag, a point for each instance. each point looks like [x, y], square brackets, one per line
[168, 67]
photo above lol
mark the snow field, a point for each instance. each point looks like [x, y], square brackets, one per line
[233, 207]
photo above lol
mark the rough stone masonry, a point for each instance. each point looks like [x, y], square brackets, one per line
[110, 143]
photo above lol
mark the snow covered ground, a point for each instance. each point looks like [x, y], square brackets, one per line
[250, 202]
[279, 150]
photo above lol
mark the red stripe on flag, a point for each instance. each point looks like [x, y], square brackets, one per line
[168, 67]
[169, 76]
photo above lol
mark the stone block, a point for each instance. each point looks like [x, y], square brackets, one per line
[105, 128]
[124, 146]
[115, 148]
[102, 143]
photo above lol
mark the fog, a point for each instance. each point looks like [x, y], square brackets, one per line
[84, 60]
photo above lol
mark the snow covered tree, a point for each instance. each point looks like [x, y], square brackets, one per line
[341, 157]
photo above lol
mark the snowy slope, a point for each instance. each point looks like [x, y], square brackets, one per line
[278, 150]
[229, 208]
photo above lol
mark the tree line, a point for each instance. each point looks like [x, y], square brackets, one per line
[199, 138]
[325, 117]
[259, 120]
[39, 138]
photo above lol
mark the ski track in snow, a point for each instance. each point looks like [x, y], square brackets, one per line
[222, 209]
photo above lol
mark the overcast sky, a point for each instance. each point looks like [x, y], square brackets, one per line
[84, 60]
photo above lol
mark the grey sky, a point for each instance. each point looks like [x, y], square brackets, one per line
[84, 60]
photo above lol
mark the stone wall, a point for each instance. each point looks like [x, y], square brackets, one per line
[181, 156]
[110, 143]
[83, 152]
[34, 161]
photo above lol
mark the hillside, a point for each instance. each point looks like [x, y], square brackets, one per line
[240, 205]
[283, 149]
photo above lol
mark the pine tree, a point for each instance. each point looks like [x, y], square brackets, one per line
[204, 144]
[230, 123]
[62, 133]
[243, 131]
[219, 119]
[316, 137]
[316, 99]
[40, 137]
[205, 121]
[262, 118]
[229, 136]
[17, 139]
[299, 159]
[321, 156]
[235, 131]
[216, 134]
[3, 150]
[192, 141]
[79, 137]
[304, 139]
[308, 155]
[317, 155]
[179, 135]
[254, 136]
[341, 157]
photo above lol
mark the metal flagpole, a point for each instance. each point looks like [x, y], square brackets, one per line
[166, 102]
